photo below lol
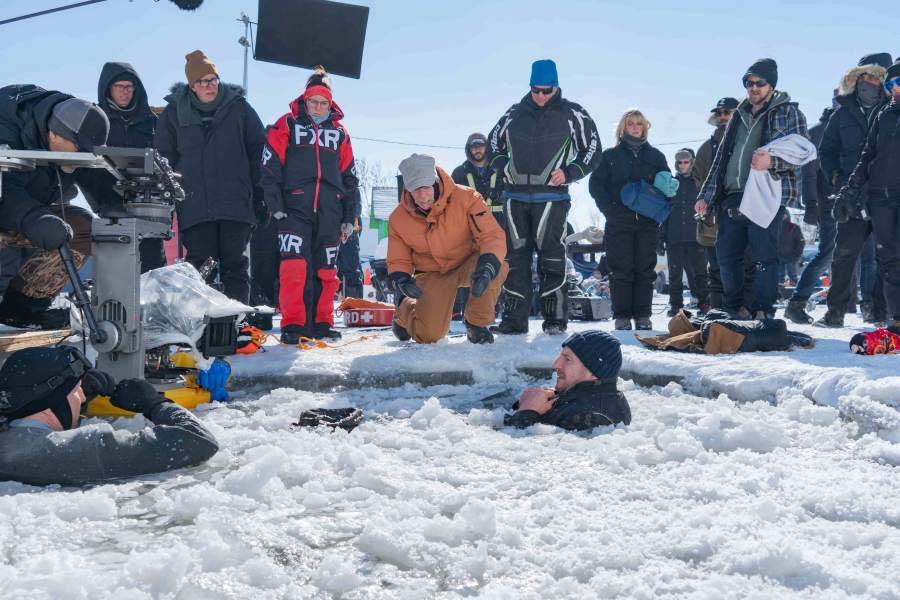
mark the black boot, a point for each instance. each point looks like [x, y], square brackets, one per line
[553, 327]
[260, 321]
[832, 319]
[509, 328]
[643, 323]
[291, 334]
[623, 324]
[399, 332]
[324, 331]
[479, 335]
[868, 312]
[796, 312]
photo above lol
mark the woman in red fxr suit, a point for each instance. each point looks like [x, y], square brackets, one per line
[310, 184]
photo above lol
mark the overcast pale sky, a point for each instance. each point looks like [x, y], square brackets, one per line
[433, 72]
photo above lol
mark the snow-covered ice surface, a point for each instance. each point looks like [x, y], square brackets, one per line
[765, 494]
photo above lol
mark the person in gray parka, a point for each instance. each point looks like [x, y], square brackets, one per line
[42, 391]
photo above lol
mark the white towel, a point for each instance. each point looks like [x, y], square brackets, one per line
[762, 194]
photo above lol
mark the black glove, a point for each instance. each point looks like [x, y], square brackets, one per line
[405, 284]
[846, 204]
[97, 383]
[45, 230]
[661, 248]
[137, 396]
[485, 271]
[261, 212]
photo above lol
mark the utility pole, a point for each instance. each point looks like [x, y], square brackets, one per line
[245, 42]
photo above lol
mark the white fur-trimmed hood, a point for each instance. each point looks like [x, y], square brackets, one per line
[848, 82]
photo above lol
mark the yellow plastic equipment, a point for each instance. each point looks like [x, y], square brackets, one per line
[189, 396]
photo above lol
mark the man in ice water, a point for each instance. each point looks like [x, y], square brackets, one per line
[585, 396]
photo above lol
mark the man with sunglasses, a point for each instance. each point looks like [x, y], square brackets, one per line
[719, 117]
[860, 97]
[42, 392]
[541, 145]
[875, 186]
[214, 138]
[764, 116]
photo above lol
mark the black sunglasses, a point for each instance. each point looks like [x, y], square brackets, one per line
[759, 83]
[544, 91]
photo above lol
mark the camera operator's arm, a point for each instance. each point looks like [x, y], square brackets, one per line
[16, 202]
[97, 187]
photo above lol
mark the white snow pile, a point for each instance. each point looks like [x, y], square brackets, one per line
[430, 498]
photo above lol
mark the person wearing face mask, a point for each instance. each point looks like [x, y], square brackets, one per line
[42, 391]
[311, 187]
[541, 145]
[878, 174]
[212, 136]
[442, 237]
[860, 97]
[631, 238]
[35, 216]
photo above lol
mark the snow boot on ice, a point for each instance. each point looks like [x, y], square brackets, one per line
[399, 332]
[509, 328]
[796, 312]
[291, 334]
[479, 335]
[868, 312]
[554, 327]
[643, 324]
[832, 319]
[324, 331]
[623, 324]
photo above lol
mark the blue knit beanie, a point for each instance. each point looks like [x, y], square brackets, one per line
[599, 351]
[543, 73]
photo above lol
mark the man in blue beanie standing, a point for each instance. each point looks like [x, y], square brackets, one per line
[585, 395]
[541, 145]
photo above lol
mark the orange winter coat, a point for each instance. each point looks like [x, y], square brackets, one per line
[458, 225]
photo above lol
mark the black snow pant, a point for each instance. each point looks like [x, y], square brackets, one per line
[264, 261]
[536, 227]
[715, 278]
[224, 242]
[689, 257]
[848, 246]
[631, 252]
[349, 269]
[886, 225]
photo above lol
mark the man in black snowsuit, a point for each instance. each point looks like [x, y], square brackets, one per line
[35, 217]
[214, 138]
[121, 95]
[678, 240]
[41, 394]
[585, 395]
[860, 96]
[476, 174]
[542, 144]
[875, 186]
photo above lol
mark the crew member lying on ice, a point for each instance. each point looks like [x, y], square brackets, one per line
[41, 393]
[585, 396]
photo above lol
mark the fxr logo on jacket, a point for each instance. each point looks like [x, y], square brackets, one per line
[309, 136]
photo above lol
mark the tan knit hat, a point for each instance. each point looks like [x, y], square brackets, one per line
[198, 66]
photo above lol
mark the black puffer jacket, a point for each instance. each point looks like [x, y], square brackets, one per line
[879, 165]
[585, 405]
[681, 226]
[218, 158]
[24, 113]
[134, 126]
[530, 142]
[843, 139]
[618, 167]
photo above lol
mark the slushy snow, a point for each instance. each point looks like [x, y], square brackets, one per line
[779, 489]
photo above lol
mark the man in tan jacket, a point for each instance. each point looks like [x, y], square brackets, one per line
[440, 238]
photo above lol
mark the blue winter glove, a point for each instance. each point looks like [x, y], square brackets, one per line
[214, 379]
[665, 183]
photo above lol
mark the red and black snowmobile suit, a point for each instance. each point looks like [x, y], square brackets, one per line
[309, 173]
